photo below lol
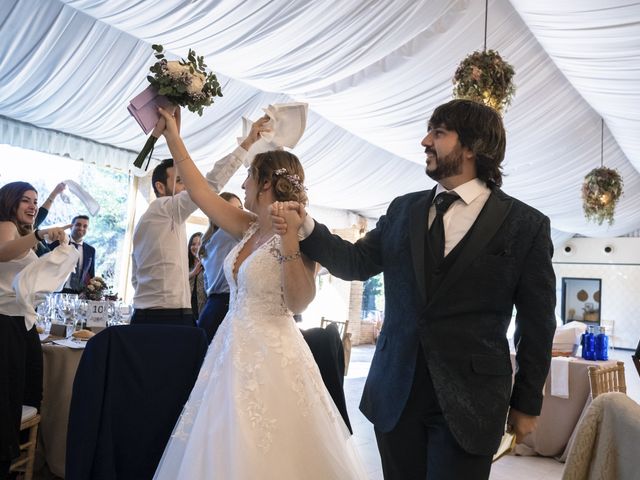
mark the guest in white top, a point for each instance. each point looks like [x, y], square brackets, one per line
[160, 274]
[20, 352]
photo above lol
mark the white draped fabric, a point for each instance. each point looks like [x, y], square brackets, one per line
[372, 72]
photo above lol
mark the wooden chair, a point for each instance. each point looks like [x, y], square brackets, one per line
[604, 380]
[343, 327]
[24, 463]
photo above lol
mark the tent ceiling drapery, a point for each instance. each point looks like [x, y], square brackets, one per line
[372, 72]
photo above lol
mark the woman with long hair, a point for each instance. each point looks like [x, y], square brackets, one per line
[20, 351]
[259, 408]
[216, 245]
[196, 275]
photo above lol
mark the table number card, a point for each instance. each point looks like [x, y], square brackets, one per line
[97, 314]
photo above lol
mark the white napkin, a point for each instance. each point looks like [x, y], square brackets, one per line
[71, 343]
[287, 123]
[560, 377]
[88, 201]
[260, 146]
[45, 275]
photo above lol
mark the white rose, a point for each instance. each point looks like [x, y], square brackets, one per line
[197, 82]
[175, 69]
[91, 288]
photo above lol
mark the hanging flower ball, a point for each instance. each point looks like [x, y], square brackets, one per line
[601, 190]
[486, 78]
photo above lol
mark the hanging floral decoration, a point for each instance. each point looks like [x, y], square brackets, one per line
[486, 78]
[601, 190]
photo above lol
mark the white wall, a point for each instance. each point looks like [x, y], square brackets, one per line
[617, 262]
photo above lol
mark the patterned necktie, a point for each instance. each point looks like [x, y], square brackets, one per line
[436, 232]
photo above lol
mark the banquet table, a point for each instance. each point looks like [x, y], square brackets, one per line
[559, 416]
[60, 365]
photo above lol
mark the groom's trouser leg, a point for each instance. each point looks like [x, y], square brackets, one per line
[421, 446]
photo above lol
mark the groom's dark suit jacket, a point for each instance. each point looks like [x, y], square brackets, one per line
[504, 260]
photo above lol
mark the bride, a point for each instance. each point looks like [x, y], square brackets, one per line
[259, 408]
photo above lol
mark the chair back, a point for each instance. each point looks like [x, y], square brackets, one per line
[605, 380]
[342, 326]
[345, 335]
[327, 350]
[130, 387]
[24, 463]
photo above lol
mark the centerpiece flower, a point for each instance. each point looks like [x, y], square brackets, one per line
[601, 190]
[182, 82]
[486, 78]
[95, 289]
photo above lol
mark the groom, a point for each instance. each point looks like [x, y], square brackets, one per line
[457, 259]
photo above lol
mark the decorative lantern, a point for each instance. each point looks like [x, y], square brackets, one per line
[601, 190]
[485, 77]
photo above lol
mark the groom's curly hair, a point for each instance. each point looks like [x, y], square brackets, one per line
[481, 130]
[264, 167]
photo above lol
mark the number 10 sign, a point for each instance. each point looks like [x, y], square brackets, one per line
[97, 314]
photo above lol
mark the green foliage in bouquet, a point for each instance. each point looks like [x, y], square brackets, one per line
[601, 190]
[184, 82]
[486, 78]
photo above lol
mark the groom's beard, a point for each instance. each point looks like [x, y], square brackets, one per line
[447, 166]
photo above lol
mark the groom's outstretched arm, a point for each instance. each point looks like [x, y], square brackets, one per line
[346, 260]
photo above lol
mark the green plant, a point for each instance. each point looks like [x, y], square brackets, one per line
[601, 190]
[486, 78]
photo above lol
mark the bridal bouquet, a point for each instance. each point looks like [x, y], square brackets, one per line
[178, 82]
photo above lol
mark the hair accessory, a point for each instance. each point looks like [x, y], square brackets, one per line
[294, 179]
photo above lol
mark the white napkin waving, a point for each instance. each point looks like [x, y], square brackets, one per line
[45, 275]
[287, 123]
[92, 206]
[560, 376]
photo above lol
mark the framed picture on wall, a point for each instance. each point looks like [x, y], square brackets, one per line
[581, 299]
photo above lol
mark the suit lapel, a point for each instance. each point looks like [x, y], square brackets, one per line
[491, 217]
[418, 227]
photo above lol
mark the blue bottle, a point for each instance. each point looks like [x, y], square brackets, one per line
[583, 349]
[589, 347]
[602, 345]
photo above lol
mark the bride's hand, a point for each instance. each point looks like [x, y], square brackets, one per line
[169, 123]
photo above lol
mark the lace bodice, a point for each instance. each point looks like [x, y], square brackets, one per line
[258, 287]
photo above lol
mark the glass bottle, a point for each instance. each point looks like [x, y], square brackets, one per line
[589, 349]
[602, 345]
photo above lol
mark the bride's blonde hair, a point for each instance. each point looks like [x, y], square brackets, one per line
[284, 171]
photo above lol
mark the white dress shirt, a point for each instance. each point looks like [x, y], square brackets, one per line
[462, 213]
[160, 270]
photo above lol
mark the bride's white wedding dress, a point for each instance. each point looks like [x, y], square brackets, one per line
[259, 409]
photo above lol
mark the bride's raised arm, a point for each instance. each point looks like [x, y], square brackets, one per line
[229, 218]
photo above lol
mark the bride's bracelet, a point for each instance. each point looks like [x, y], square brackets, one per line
[287, 258]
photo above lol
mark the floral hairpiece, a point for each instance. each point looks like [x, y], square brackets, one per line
[294, 179]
